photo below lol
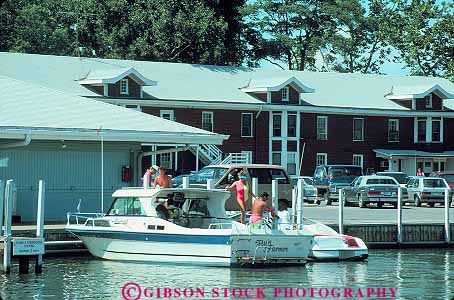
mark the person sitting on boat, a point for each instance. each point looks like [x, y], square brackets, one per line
[161, 209]
[258, 208]
[283, 215]
[151, 172]
[164, 181]
[242, 193]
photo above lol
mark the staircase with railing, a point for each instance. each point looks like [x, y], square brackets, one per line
[212, 155]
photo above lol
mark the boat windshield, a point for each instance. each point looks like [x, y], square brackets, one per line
[206, 173]
[126, 206]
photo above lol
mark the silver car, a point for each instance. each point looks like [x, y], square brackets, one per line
[373, 189]
[429, 190]
[309, 191]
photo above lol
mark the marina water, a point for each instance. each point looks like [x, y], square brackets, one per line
[415, 273]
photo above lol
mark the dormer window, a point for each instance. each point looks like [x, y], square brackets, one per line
[428, 101]
[124, 88]
[285, 92]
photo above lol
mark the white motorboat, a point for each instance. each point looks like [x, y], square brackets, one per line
[328, 244]
[332, 246]
[194, 229]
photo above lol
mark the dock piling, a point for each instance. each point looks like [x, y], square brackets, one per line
[210, 184]
[341, 211]
[40, 224]
[299, 202]
[399, 215]
[2, 200]
[185, 182]
[9, 194]
[447, 226]
[255, 187]
[275, 197]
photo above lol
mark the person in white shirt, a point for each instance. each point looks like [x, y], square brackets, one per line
[283, 214]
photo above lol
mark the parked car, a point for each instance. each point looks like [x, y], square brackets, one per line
[225, 175]
[373, 189]
[429, 190]
[309, 191]
[328, 179]
[446, 175]
[401, 177]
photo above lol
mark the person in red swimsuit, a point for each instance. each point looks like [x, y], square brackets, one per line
[242, 193]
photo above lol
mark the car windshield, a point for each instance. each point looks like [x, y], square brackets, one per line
[345, 172]
[380, 181]
[208, 173]
[400, 177]
[434, 183]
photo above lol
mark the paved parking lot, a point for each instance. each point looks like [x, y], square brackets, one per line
[373, 215]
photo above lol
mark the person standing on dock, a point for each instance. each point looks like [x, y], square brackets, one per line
[242, 193]
[420, 172]
[163, 180]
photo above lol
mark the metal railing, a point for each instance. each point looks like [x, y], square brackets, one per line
[236, 158]
[83, 217]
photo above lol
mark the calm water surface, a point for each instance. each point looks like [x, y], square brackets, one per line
[417, 274]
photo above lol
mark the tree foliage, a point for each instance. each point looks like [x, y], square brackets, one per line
[424, 35]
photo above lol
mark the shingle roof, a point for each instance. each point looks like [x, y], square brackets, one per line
[29, 106]
[176, 81]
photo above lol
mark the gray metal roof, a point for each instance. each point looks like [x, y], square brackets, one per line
[177, 81]
[412, 153]
[31, 109]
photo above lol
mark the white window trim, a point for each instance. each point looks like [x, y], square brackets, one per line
[296, 125]
[430, 101]
[126, 81]
[441, 130]
[280, 125]
[361, 158]
[287, 91]
[362, 130]
[169, 112]
[252, 125]
[276, 152]
[326, 127]
[397, 130]
[212, 119]
[428, 130]
[325, 158]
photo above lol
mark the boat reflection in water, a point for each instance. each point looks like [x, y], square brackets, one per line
[416, 273]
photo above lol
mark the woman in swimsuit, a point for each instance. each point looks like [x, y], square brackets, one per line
[242, 193]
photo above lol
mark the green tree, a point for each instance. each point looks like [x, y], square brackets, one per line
[424, 36]
[289, 30]
[360, 44]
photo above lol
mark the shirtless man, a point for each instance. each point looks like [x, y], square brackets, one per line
[258, 207]
[163, 180]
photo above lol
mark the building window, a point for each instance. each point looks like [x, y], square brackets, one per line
[422, 122]
[124, 88]
[393, 130]
[285, 92]
[165, 160]
[277, 124]
[276, 158]
[322, 128]
[246, 125]
[358, 160]
[291, 128]
[167, 114]
[321, 159]
[291, 163]
[436, 130]
[358, 129]
[428, 101]
[207, 120]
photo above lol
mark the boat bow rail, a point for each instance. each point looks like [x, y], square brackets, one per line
[82, 218]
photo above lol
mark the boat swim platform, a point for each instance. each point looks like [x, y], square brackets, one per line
[383, 235]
